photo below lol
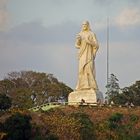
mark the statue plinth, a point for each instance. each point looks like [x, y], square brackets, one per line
[79, 96]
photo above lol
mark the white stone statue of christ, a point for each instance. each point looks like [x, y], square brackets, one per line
[87, 44]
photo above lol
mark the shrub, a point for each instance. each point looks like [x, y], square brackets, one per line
[18, 127]
[114, 120]
[5, 102]
[87, 129]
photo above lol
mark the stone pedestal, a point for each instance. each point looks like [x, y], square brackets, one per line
[87, 96]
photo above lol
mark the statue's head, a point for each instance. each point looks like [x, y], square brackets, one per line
[85, 26]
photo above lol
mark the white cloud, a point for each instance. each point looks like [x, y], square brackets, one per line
[128, 17]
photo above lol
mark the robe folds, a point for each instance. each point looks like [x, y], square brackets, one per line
[88, 46]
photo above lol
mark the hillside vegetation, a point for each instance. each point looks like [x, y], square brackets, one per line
[74, 123]
[20, 91]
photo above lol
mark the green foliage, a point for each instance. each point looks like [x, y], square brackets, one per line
[112, 88]
[87, 130]
[116, 117]
[6, 85]
[18, 127]
[122, 127]
[23, 99]
[134, 118]
[114, 120]
[29, 88]
[119, 99]
[129, 95]
[132, 93]
[5, 102]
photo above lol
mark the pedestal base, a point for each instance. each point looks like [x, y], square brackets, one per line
[82, 96]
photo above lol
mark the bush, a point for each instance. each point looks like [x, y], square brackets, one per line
[5, 102]
[87, 129]
[116, 117]
[18, 127]
[114, 120]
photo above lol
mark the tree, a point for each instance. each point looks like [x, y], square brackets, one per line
[5, 102]
[128, 95]
[29, 88]
[112, 88]
[6, 85]
[132, 93]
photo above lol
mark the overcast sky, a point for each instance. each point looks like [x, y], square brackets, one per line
[40, 35]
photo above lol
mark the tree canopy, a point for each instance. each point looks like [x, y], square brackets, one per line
[127, 95]
[29, 88]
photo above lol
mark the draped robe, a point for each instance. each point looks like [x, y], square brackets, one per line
[87, 53]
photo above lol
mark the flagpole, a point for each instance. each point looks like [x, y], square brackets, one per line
[107, 52]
